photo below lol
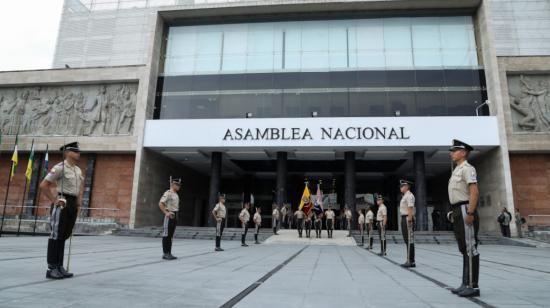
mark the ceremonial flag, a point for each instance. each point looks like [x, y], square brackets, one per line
[46, 159]
[305, 202]
[14, 160]
[319, 202]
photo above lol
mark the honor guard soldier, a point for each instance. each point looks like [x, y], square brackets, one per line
[244, 217]
[382, 220]
[308, 223]
[369, 219]
[67, 178]
[407, 212]
[330, 221]
[284, 213]
[300, 215]
[463, 196]
[361, 222]
[275, 218]
[318, 224]
[257, 224]
[169, 204]
[219, 212]
[348, 215]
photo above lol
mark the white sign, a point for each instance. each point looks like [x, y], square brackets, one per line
[321, 132]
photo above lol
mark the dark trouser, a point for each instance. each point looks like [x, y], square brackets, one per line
[382, 236]
[318, 228]
[300, 226]
[369, 234]
[407, 230]
[330, 227]
[62, 221]
[256, 232]
[348, 225]
[275, 224]
[244, 228]
[505, 230]
[362, 232]
[466, 237]
[220, 225]
[168, 229]
[308, 228]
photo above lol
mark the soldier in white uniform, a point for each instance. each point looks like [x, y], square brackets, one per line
[169, 204]
[330, 215]
[244, 217]
[361, 222]
[257, 224]
[300, 215]
[369, 219]
[284, 212]
[219, 213]
[349, 216]
[66, 178]
[382, 220]
[275, 216]
[318, 224]
[309, 223]
[407, 212]
[463, 196]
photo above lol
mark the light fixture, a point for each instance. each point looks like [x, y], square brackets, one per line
[314, 114]
[398, 113]
[486, 102]
[248, 115]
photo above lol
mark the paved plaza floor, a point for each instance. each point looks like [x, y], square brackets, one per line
[115, 271]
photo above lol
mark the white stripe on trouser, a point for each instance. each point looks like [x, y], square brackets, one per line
[382, 230]
[469, 234]
[243, 227]
[218, 227]
[165, 226]
[54, 223]
[257, 230]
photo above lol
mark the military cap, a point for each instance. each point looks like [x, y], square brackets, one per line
[176, 181]
[459, 145]
[380, 197]
[405, 182]
[73, 147]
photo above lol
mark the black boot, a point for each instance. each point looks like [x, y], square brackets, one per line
[256, 239]
[218, 243]
[242, 241]
[465, 275]
[64, 272]
[54, 273]
[472, 287]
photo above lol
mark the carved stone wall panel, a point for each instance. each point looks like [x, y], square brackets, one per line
[77, 110]
[530, 102]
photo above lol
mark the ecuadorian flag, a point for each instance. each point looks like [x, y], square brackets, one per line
[305, 202]
[28, 173]
[14, 161]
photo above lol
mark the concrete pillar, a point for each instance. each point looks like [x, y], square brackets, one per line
[420, 191]
[349, 184]
[215, 179]
[281, 178]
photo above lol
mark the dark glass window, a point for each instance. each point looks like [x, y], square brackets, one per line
[461, 103]
[402, 103]
[368, 104]
[431, 104]
[430, 78]
[400, 78]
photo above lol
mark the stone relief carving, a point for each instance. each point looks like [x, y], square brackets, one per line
[89, 110]
[530, 102]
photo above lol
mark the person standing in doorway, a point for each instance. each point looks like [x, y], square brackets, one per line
[330, 221]
[244, 217]
[407, 212]
[257, 224]
[463, 196]
[504, 220]
[169, 204]
[382, 221]
[219, 213]
[369, 219]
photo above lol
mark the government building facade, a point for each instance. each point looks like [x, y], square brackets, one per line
[254, 98]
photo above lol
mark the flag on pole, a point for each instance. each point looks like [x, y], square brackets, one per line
[28, 173]
[14, 159]
[319, 200]
[305, 202]
[46, 159]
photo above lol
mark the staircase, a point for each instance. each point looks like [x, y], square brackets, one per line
[196, 233]
[442, 238]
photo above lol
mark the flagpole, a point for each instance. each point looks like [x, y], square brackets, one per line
[7, 191]
[37, 201]
[26, 185]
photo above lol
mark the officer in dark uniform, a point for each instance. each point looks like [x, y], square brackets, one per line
[463, 195]
[66, 178]
[169, 204]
